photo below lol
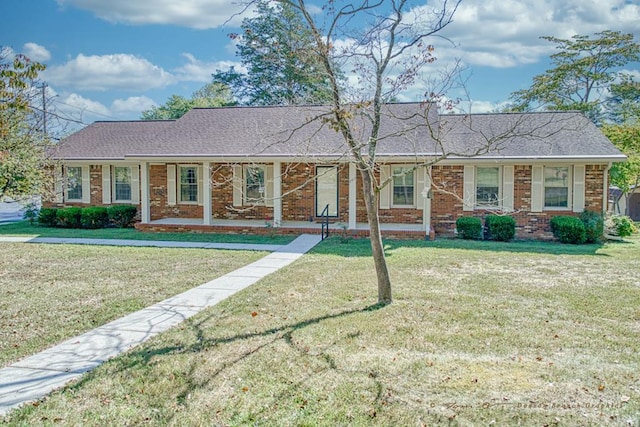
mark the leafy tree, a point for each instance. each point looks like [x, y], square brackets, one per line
[208, 96]
[625, 176]
[277, 49]
[23, 146]
[583, 71]
[623, 105]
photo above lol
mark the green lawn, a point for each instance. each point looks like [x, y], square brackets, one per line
[479, 333]
[23, 228]
[52, 292]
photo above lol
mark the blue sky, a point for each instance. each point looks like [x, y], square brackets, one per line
[109, 60]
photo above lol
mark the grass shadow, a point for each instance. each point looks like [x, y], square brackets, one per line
[142, 357]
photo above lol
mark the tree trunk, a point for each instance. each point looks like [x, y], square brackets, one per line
[377, 249]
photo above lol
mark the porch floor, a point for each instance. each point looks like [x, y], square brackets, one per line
[412, 231]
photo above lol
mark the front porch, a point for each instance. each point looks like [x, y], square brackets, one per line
[197, 225]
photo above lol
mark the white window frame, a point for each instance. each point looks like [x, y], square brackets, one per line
[245, 175]
[498, 204]
[79, 183]
[179, 185]
[569, 187]
[113, 185]
[392, 186]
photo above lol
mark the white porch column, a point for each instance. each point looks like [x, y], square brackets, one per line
[426, 207]
[206, 192]
[277, 194]
[145, 211]
[353, 174]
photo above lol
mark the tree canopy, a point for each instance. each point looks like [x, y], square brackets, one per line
[278, 51]
[209, 96]
[584, 70]
[626, 175]
[23, 144]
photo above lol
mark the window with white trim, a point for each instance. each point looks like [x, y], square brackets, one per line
[122, 183]
[403, 186]
[74, 183]
[488, 186]
[557, 185]
[188, 186]
[254, 185]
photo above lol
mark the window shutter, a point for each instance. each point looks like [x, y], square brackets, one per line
[58, 185]
[171, 185]
[268, 184]
[469, 199]
[135, 184]
[106, 184]
[237, 185]
[199, 172]
[86, 185]
[420, 184]
[385, 192]
[537, 188]
[507, 188]
[578, 188]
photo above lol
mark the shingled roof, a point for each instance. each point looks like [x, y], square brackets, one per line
[301, 132]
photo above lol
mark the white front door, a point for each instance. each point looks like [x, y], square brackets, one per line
[327, 189]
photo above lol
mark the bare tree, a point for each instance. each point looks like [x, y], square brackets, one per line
[385, 44]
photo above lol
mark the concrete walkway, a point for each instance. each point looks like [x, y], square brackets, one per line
[34, 377]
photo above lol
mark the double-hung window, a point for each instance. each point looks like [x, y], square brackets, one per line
[188, 191]
[122, 183]
[74, 183]
[488, 186]
[254, 185]
[556, 186]
[403, 186]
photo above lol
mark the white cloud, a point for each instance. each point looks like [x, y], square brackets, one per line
[109, 72]
[133, 104]
[77, 106]
[36, 52]
[200, 14]
[506, 33]
[196, 70]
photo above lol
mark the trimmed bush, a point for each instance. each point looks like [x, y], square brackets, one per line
[94, 217]
[568, 229]
[69, 217]
[469, 227]
[620, 225]
[500, 228]
[122, 216]
[593, 226]
[48, 217]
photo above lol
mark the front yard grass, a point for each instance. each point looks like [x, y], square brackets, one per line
[52, 292]
[479, 333]
[24, 228]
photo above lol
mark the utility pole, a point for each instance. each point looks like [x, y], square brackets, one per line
[44, 108]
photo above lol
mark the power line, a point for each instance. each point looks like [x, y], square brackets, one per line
[88, 111]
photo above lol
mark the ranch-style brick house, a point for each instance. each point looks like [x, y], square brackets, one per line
[276, 169]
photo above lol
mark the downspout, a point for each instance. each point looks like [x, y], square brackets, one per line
[605, 192]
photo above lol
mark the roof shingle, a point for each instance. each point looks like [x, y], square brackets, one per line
[300, 131]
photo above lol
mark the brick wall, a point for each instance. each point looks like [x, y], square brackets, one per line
[222, 198]
[446, 208]
[298, 201]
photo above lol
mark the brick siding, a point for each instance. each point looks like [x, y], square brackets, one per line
[298, 200]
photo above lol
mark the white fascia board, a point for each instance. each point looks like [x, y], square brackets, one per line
[238, 159]
[533, 160]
